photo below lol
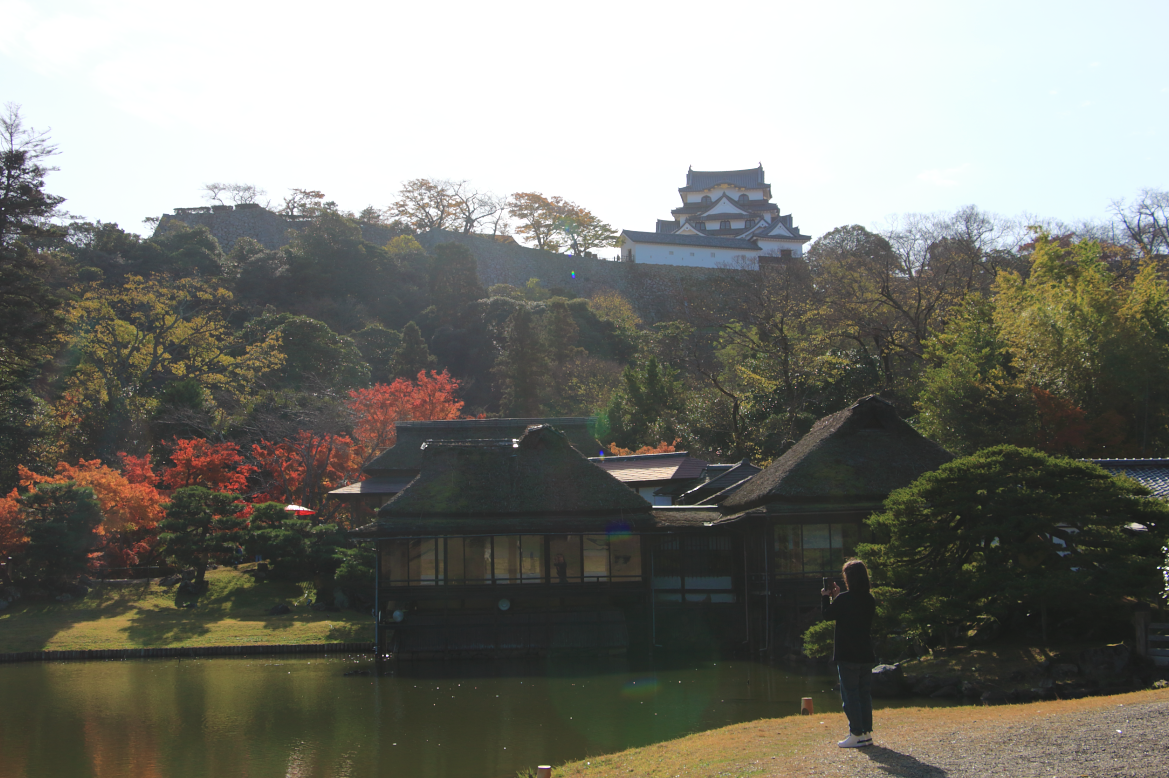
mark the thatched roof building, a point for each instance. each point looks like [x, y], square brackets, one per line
[538, 482]
[405, 456]
[854, 457]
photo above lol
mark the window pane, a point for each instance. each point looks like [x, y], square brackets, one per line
[454, 560]
[596, 557]
[789, 557]
[816, 536]
[707, 562]
[565, 552]
[532, 563]
[477, 560]
[625, 553]
[507, 559]
[818, 560]
[422, 562]
[667, 563]
[395, 566]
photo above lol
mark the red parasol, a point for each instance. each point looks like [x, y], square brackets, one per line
[298, 509]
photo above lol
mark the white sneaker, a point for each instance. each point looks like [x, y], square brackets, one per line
[867, 739]
[854, 741]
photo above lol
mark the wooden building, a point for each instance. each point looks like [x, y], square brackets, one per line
[522, 545]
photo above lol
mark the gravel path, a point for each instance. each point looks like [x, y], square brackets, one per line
[1125, 741]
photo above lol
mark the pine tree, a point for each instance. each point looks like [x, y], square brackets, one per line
[412, 355]
[522, 368]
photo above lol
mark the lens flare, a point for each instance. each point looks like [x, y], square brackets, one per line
[640, 688]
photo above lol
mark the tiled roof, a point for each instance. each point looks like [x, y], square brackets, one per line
[700, 241]
[754, 206]
[1153, 473]
[705, 179]
[651, 467]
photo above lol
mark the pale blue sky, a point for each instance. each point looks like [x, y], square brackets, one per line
[857, 110]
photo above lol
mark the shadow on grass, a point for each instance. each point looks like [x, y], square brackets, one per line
[902, 765]
[32, 625]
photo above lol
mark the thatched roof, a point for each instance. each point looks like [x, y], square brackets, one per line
[536, 483]
[405, 456]
[859, 454]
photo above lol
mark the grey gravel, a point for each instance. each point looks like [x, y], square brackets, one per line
[1127, 741]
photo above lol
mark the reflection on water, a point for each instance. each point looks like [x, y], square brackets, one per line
[305, 717]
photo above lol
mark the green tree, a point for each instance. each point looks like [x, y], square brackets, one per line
[561, 332]
[60, 521]
[132, 341]
[1017, 536]
[298, 549]
[318, 356]
[1095, 350]
[645, 412]
[972, 395]
[200, 525]
[25, 206]
[454, 283]
[522, 369]
[378, 345]
[412, 355]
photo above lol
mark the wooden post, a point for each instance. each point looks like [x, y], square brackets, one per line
[806, 706]
[544, 771]
[1140, 621]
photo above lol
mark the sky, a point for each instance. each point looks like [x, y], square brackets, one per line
[858, 111]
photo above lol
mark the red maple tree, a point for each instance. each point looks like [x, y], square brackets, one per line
[199, 462]
[431, 396]
[303, 469]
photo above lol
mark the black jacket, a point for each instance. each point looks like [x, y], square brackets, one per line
[853, 614]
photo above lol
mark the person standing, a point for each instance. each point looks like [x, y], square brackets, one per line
[853, 611]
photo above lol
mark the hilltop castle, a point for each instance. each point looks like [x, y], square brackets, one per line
[725, 215]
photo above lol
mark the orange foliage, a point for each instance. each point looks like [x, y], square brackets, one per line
[122, 502]
[199, 462]
[138, 470]
[304, 469]
[660, 448]
[429, 397]
[12, 538]
[130, 510]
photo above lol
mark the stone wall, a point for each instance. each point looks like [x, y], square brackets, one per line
[230, 223]
[657, 292]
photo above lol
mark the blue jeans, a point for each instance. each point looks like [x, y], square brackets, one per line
[856, 692]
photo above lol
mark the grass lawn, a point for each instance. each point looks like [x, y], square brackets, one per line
[233, 611]
[806, 745]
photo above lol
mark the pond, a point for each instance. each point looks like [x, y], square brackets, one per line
[305, 717]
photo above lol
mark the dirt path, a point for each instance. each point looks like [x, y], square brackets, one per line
[1115, 737]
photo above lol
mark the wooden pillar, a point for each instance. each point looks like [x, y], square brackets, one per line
[1140, 620]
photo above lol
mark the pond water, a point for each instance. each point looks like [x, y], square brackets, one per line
[304, 717]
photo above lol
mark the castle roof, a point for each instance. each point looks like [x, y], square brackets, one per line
[698, 180]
